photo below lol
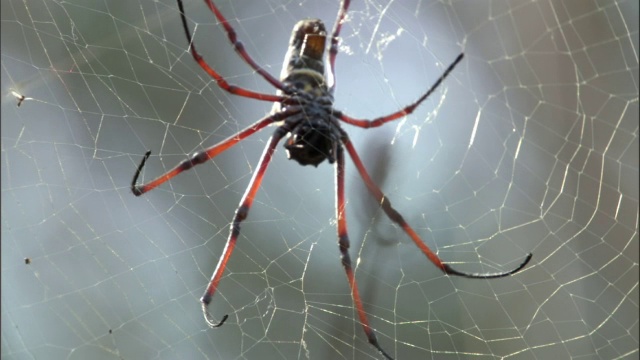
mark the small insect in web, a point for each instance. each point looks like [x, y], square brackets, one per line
[21, 98]
[303, 110]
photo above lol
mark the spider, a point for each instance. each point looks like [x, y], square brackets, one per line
[304, 114]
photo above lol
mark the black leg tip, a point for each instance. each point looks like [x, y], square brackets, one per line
[207, 317]
[135, 189]
[451, 271]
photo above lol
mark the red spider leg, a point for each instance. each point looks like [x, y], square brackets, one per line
[333, 50]
[239, 47]
[207, 154]
[398, 219]
[241, 214]
[403, 112]
[343, 242]
[222, 83]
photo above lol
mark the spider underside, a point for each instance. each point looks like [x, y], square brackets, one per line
[304, 114]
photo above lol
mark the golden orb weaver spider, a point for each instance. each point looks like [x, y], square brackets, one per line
[303, 110]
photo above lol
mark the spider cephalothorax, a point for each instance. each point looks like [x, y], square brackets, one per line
[303, 111]
[310, 142]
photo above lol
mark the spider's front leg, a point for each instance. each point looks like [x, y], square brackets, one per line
[343, 242]
[209, 153]
[396, 217]
[241, 214]
[247, 199]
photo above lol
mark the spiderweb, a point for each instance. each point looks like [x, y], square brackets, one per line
[531, 145]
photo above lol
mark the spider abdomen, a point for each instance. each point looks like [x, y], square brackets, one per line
[313, 137]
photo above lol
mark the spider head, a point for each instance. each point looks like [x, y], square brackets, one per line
[311, 142]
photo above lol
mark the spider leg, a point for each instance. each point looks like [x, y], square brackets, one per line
[239, 47]
[240, 215]
[343, 242]
[222, 83]
[207, 154]
[403, 112]
[333, 50]
[398, 219]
